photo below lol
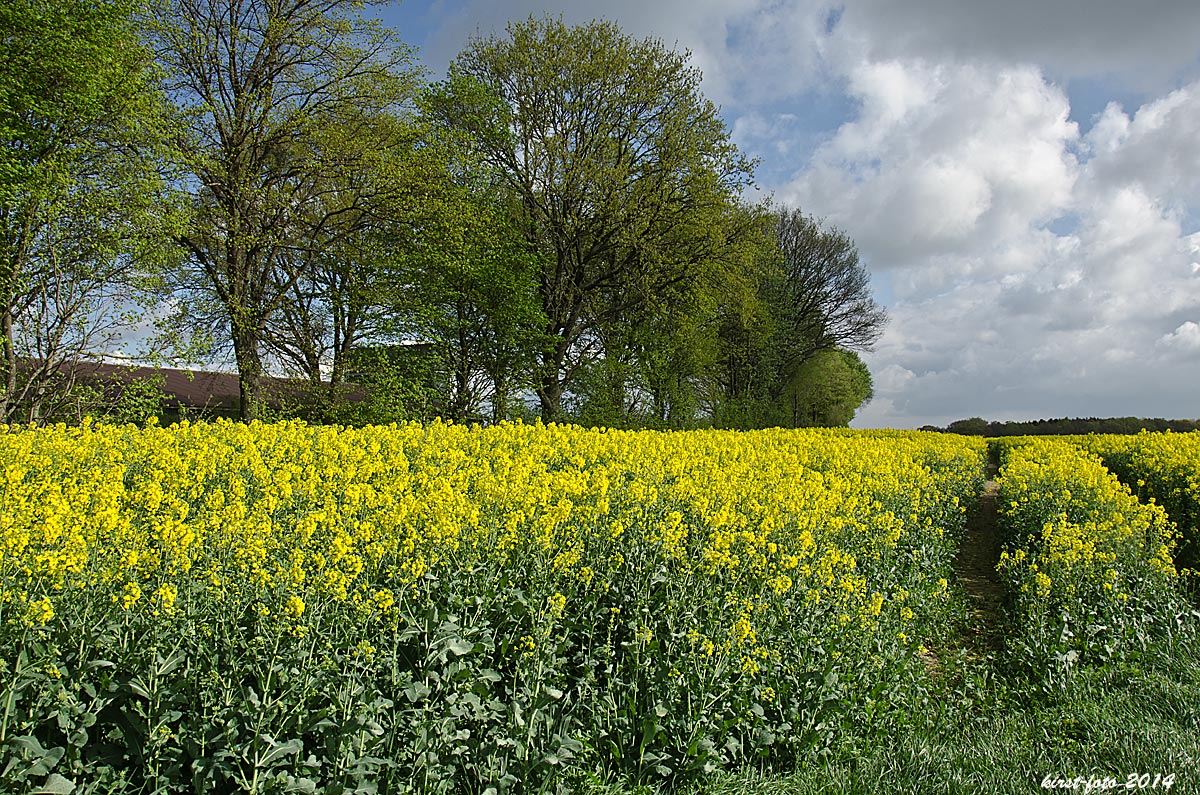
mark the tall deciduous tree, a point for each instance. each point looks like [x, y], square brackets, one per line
[659, 359]
[276, 95]
[616, 160]
[82, 202]
[345, 287]
[811, 295]
[475, 286]
[820, 293]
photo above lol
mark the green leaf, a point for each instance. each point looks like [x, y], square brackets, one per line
[169, 664]
[139, 688]
[278, 750]
[29, 744]
[460, 647]
[417, 691]
[306, 786]
[55, 785]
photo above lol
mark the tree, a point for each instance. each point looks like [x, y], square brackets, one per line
[275, 96]
[82, 202]
[344, 287]
[975, 426]
[616, 162]
[827, 390]
[820, 295]
[478, 305]
[808, 295]
[471, 277]
[659, 360]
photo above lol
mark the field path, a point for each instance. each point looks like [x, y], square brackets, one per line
[976, 566]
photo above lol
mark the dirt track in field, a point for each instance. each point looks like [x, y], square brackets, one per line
[976, 567]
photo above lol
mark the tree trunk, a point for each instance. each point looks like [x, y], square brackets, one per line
[249, 364]
[661, 410]
[551, 388]
[499, 403]
[10, 364]
[345, 334]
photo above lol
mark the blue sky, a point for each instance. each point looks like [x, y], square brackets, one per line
[1021, 178]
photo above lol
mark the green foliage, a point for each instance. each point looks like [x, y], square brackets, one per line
[283, 146]
[827, 389]
[84, 211]
[824, 391]
[975, 426]
[819, 296]
[473, 299]
[394, 393]
[618, 169]
[660, 360]
[785, 336]
[118, 400]
[1161, 468]
[139, 401]
[1088, 566]
[384, 388]
[1070, 426]
[511, 667]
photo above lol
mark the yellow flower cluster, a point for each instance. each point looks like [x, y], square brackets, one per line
[285, 518]
[1078, 534]
[1162, 468]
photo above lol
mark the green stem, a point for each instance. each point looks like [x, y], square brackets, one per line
[12, 690]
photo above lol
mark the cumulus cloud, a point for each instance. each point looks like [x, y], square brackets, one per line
[1185, 338]
[943, 160]
[1154, 149]
[956, 180]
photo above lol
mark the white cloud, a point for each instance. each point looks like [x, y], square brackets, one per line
[1155, 149]
[943, 161]
[956, 188]
[1184, 338]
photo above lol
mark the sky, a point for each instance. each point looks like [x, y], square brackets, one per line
[1021, 178]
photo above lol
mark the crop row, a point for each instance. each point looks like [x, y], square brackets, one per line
[1089, 567]
[1163, 468]
[291, 608]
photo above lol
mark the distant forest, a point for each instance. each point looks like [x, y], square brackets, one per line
[1066, 426]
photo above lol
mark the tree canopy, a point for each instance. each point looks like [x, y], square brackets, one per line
[283, 107]
[619, 169]
[84, 211]
[559, 225]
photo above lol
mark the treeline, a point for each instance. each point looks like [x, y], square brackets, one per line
[1066, 426]
[557, 227]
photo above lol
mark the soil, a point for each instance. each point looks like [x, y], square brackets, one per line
[975, 564]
